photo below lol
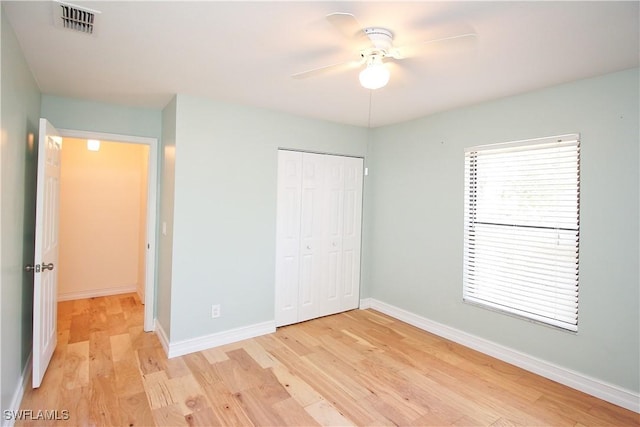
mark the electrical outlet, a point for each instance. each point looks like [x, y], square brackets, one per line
[215, 311]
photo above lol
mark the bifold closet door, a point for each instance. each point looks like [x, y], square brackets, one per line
[318, 235]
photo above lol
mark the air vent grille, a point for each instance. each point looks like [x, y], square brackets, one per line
[74, 17]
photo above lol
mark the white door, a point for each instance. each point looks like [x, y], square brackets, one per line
[311, 229]
[46, 250]
[351, 233]
[319, 211]
[333, 217]
[288, 236]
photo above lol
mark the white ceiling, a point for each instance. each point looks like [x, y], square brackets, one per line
[144, 52]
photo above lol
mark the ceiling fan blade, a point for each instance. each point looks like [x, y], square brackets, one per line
[411, 49]
[327, 69]
[349, 26]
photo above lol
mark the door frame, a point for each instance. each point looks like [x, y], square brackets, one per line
[152, 210]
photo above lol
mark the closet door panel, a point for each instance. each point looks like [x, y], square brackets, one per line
[352, 230]
[311, 214]
[333, 230]
[288, 237]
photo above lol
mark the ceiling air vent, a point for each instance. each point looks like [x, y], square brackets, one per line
[76, 18]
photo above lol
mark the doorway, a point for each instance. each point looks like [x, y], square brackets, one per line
[123, 211]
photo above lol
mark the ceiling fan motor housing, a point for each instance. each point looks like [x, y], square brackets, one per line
[381, 38]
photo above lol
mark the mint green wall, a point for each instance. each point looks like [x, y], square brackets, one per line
[77, 114]
[225, 208]
[19, 121]
[416, 171]
[166, 197]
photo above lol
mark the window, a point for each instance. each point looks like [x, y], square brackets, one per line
[522, 228]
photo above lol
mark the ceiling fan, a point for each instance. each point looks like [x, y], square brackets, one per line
[375, 47]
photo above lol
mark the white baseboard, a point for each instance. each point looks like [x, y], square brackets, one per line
[365, 303]
[603, 390]
[93, 293]
[18, 394]
[162, 336]
[180, 348]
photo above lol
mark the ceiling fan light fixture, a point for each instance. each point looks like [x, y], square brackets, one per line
[375, 76]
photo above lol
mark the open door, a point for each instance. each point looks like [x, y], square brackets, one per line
[46, 250]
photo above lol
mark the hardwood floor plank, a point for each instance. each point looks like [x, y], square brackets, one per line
[614, 415]
[290, 339]
[79, 328]
[151, 359]
[329, 388]
[135, 410]
[188, 393]
[199, 366]
[169, 416]
[116, 324]
[268, 387]
[299, 390]
[104, 403]
[225, 406]
[175, 367]
[293, 414]
[98, 320]
[259, 354]
[205, 417]
[77, 401]
[327, 415]
[214, 355]
[112, 305]
[120, 346]
[76, 366]
[158, 390]
[127, 376]
[355, 368]
[394, 411]
[258, 410]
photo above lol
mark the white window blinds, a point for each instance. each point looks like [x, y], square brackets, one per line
[522, 228]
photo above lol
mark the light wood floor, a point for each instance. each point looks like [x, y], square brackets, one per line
[355, 368]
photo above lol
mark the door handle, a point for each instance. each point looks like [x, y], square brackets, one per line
[38, 268]
[31, 268]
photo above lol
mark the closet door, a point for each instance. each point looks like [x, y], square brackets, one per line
[332, 268]
[318, 235]
[288, 236]
[352, 233]
[311, 236]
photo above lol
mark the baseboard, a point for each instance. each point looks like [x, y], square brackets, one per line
[93, 293]
[365, 303]
[205, 342]
[16, 399]
[600, 389]
[162, 336]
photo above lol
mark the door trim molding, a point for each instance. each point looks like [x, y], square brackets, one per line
[152, 209]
